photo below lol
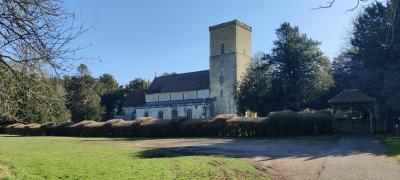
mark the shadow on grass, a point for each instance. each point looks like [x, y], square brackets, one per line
[105, 139]
[173, 152]
[307, 148]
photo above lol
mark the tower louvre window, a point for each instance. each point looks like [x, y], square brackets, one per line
[222, 48]
[221, 76]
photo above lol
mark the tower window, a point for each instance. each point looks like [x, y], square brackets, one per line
[221, 93]
[222, 48]
[221, 76]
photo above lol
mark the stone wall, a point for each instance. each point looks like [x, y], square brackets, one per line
[228, 67]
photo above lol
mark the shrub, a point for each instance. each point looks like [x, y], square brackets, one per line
[225, 117]
[277, 124]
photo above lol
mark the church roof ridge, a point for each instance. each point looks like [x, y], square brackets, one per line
[189, 81]
[177, 74]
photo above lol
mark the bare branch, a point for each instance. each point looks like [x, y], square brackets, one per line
[328, 4]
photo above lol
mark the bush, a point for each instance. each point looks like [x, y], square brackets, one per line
[277, 124]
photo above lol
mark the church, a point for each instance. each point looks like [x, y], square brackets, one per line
[200, 94]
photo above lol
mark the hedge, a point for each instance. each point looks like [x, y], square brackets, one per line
[276, 124]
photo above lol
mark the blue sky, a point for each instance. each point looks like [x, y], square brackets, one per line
[138, 38]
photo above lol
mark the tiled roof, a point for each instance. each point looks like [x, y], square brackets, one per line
[135, 99]
[350, 96]
[180, 82]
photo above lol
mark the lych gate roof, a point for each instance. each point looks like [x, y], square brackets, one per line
[350, 96]
[135, 99]
[180, 82]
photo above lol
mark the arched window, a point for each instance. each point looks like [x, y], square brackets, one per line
[204, 111]
[221, 93]
[133, 114]
[160, 114]
[189, 114]
[221, 76]
[174, 114]
[146, 114]
[222, 47]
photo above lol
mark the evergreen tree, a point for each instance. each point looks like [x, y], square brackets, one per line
[294, 75]
[83, 97]
[375, 56]
[110, 95]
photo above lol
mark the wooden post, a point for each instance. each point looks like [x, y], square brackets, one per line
[371, 125]
[333, 119]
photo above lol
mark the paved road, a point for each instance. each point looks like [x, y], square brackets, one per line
[360, 158]
[350, 157]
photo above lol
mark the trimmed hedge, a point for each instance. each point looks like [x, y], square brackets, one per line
[277, 124]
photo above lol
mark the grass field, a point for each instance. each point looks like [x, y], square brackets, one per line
[392, 145]
[72, 158]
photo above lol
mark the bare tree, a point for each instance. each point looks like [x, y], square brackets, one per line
[35, 41]
[36, 35]
[393, 14]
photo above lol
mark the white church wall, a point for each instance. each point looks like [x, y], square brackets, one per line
[197, 111]
[128, 113]
[164, 97]
[202, 94]
[151, 97]
[176, 96]
[198, 94]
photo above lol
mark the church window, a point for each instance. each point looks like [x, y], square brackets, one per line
[146, 114]
[204, 111]
[211, 110]
[222, 48]
[189, 114]
[174, 114]
[160, 114]
[221, 93]
[221, 76]
[183, 95]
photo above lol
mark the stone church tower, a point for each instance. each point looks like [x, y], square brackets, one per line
[230, 57]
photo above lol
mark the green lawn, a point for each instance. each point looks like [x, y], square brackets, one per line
[392, 145]
[72, 158]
